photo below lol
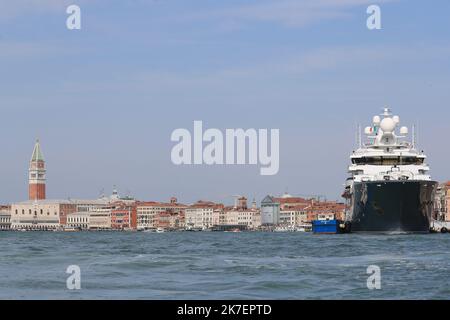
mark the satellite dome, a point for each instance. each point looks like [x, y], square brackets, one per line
[396, 119]
[387, 125]
[376, 120]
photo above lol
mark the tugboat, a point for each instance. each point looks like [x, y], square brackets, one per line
[327, 224]
[388, 188]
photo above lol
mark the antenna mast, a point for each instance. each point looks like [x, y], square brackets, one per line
[358, 135]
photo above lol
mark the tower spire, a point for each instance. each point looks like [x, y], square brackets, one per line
[37, 152]
[36, 174]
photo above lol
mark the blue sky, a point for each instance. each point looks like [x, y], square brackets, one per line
[105, 99]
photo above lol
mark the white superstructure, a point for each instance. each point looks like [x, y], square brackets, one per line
[387, 155]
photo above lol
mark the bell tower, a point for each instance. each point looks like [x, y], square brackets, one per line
[36, 176]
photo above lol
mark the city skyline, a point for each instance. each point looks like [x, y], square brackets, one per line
[37, 184]
[241, 152]
[311, 69]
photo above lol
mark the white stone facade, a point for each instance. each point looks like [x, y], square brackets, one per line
[40, 214]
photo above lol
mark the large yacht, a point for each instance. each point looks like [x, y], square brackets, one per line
[388, 188]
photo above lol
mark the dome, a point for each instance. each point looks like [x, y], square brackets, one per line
[387, 125]
[376, 120]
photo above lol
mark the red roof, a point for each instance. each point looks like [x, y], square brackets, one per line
[159, 204]
[291, 200]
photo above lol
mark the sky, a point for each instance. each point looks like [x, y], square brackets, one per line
[105, 99]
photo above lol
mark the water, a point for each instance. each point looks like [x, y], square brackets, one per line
[210, 265]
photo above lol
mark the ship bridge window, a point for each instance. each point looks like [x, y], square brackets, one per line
[388, 161]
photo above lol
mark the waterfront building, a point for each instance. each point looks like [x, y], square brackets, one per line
[100, 219]
[116, 198]
[123, 217]
[96, 219]
[147, 212]
[40, 214]
[88, 205]
[170, 220]
[327, 208]
[5, 218]
[257, 219]
[294, 215]
[288, 201]
[447, 201]
[442, 202]
[78, 220]
[295, 211]
[163, 220]
[218, 216]
[107, 212]
[241, 215]
[178, 220]
[36, 174]
[203, 215]
[270, 211]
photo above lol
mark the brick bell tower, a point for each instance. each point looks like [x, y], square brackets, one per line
[36, 177]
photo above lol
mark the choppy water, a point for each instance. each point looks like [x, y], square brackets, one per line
[212, 265]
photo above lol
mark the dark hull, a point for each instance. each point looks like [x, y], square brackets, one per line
[389, 206]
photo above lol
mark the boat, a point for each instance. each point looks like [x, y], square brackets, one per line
[388, 188]
[160, 230]
[304, 227]
[327, 225]
[71, 229]
[284, 229]
[192, 229]
[440, 226]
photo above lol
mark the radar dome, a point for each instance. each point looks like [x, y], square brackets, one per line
[404, 131]
[376, 120]
[396, 119]
[387, 125]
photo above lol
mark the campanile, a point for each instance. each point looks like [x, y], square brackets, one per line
[36, 177]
